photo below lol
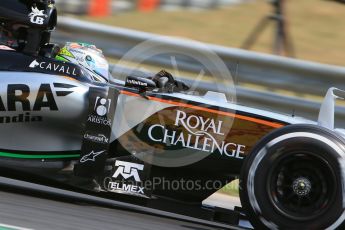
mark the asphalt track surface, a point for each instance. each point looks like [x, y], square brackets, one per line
[21, 207]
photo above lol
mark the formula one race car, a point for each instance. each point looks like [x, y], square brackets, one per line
[148, 138]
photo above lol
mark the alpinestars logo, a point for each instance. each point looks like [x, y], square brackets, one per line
[37, 16]
[55, 67]
[91, 156]
[128, 170]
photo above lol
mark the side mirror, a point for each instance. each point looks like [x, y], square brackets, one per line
[143, 84]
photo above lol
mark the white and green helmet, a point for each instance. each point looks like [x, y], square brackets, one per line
[87, 56]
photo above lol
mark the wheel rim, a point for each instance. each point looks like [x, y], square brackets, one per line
[301, 186]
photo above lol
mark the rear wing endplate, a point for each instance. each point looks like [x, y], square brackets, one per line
[326, 114]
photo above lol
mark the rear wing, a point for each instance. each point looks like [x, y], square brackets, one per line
[326, 114]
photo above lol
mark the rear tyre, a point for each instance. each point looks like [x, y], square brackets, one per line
[294, 178]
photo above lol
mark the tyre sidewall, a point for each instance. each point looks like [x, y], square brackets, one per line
[255, 173]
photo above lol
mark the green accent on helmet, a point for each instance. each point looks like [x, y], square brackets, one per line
[59, 58]
[65, 52]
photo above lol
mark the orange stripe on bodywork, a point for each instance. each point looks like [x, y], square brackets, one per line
[70, 78]
[242, 117]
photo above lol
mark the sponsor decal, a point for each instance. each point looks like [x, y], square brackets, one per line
[37, 16]
[99, 120]
[99, 138]
[101, 108]
[20, 118]
[205, 138]
[34, 64]
[55, 67]
[97, 131]
[77, 51]
[17, 99]
[90, 61]
[114, 186]
[127, 170]
[138, 83]
[91, 156]
[78, 55]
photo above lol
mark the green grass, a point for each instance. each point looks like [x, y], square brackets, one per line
[317, 27]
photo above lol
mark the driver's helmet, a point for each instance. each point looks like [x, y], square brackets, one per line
[87, 56]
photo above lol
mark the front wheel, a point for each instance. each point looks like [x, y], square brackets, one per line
[294, 179]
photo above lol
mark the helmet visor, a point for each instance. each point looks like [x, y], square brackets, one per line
[99, 65]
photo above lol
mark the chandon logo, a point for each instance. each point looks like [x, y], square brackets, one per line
[19, 98]
[202, 140]
[99, 138]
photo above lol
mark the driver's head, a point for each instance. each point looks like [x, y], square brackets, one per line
[87, 56]
[25, 25]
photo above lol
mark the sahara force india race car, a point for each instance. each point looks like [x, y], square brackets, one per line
[154, 142]
[118, 139]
